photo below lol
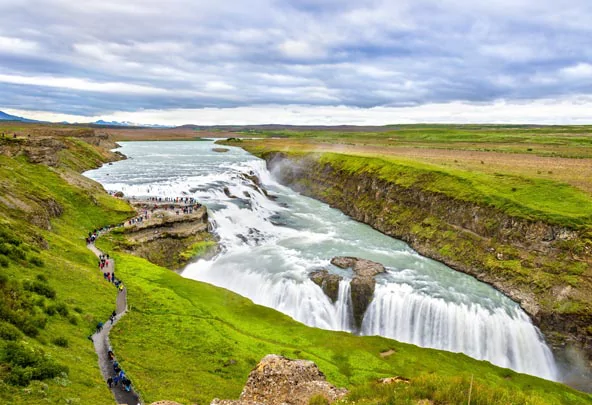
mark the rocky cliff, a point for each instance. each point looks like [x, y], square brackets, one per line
[543, 267]
[164, 234]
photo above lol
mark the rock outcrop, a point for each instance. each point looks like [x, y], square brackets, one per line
[361, 287]
[166, 237]
[255, 184]
[277, 380]
[51, 146]
[362, 284]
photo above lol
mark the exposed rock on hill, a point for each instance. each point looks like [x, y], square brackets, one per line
[277, 380]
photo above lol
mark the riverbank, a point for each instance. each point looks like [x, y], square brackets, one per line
[545, 265]
[52, 296]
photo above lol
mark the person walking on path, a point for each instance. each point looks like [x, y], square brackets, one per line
[101, 338]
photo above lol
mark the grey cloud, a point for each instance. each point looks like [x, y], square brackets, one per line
[356, 53]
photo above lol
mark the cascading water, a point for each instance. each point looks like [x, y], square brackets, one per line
[270, 245]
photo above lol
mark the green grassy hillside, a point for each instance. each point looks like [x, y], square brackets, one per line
[51, 295]
[182, 340]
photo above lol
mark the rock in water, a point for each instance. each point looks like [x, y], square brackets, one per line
[277, 380]
[362, 284]
[361, 267]
[228, 193]
[328, 282]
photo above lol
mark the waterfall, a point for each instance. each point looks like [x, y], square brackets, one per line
[344, 306]
[504, 337]
[270, 245]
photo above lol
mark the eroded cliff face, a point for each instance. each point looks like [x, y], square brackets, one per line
[542, 267]
[166, 237]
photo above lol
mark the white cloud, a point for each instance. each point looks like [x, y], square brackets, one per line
[219, 86]
[299, 49]
[581, 70]
[82, 84]
[574, 110]
[17, 45]
[146, 54]
[512, 52]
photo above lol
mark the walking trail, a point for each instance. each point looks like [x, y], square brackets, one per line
[101, 340]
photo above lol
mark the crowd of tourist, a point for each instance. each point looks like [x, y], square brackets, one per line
[106, 265]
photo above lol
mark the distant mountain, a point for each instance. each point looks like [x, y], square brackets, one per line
[114, 123]
[127, 124]
[8, 117]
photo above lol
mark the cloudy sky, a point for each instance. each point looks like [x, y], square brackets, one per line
[297, 61]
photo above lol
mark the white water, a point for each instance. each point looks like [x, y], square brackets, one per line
[268, 248]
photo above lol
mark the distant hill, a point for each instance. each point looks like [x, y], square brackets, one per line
[8, 117]
[282, 127]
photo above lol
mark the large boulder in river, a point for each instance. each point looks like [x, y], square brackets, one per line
[328, 282]
[362, 284]
[361, 267]
[277, 380]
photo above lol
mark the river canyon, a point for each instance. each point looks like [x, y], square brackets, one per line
[271, 238]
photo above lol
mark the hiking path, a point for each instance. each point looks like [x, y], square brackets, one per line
[101, 339]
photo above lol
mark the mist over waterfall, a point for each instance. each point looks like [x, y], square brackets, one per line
[270, 244]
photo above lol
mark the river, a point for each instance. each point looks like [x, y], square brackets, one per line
[270, 245]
